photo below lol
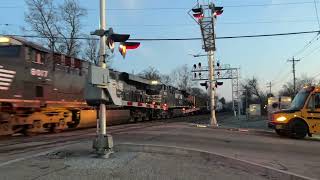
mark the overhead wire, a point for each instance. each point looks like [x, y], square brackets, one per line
[180, 39]
[309, 43]
[185, 8]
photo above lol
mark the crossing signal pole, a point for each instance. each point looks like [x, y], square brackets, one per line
[103, 143]
[205, 15]
[294, 61]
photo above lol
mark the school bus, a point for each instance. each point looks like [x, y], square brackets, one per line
[302, 118]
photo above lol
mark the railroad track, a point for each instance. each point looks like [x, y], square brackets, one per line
[24, 144]
[19, 146]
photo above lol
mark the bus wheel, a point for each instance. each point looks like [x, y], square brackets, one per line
[299, 129]
[281, 132]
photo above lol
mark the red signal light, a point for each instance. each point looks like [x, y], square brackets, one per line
[123, 50]
[198, 13]
[132, 45]
[124, 46]
[198, 16]
[218, 11]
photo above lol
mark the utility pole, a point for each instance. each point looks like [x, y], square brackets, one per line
[294, 61]
[269, 85]
[97, 95]
[213, 120]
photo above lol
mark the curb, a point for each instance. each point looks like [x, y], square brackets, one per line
[234, 129]
[247, 166]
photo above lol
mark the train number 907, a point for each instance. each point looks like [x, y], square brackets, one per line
[39, 72]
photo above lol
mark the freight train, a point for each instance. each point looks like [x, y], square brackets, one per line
[43, 91]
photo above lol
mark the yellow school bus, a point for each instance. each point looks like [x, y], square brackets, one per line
[302, 118]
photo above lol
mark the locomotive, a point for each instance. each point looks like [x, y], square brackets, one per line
[43, 91]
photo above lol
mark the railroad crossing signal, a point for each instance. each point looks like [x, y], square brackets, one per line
[218, 84]
[124, 46]
[205, 84]
[198, 13]
[114, 37]
[217, 11]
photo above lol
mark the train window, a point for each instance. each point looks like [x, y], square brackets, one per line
[39, 58]
[10, 51]
[39, 91]
[67, 61]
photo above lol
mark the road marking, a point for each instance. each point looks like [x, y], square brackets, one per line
[35, 155]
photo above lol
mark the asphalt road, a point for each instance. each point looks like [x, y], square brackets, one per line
[265, 148]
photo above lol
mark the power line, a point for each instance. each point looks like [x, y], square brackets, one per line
[182, 8]
[309, 43]
[222, 23]
[177, 39]
[317, 15]
[271, 4]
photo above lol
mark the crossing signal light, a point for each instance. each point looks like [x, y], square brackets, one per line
[124, 46]
[116, 37]
[198, 13]
[123, 50]
[205, 84]
[218, 84]
[110, 44]
[217, 11]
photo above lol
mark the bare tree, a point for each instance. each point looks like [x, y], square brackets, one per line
[53, 21]
[42, 17]
[288, 89]
[91, 51]
[182, 78]
[166, 79]
[254, 94]
[70, 16]
[151, 73]
[252, 90]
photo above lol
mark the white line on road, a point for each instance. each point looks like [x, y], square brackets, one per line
[35, 155]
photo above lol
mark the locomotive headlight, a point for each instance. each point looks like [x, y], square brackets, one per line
[154, 82]
[4, 40]
[281, 119]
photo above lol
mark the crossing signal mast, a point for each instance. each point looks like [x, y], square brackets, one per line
[205, 15]
[112, 38]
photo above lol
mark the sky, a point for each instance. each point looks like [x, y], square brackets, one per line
[265, 58]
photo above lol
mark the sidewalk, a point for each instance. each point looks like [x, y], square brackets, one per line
[230, 121]
[78, 162]
[259, 123]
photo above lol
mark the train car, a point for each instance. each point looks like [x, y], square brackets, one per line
[36, 89]
[43, 91]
